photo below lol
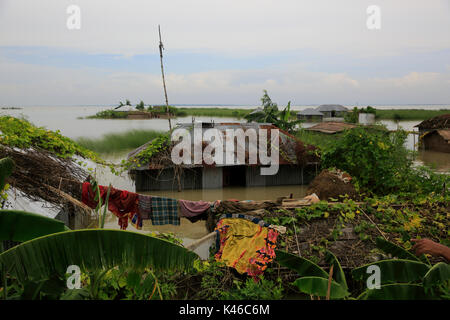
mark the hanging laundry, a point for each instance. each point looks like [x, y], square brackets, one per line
[88, 195]
[121, 203]
[194, 210]
[145, 206]
[246, 246]
[164, 211]
[136, 221]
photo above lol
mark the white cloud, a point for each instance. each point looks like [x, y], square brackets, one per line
[232, 27]
[64, 86]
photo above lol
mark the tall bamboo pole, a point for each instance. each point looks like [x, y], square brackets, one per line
[161, 48]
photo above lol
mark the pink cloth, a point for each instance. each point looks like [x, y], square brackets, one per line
[191, 209]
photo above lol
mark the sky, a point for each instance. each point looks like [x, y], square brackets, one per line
[225, 52]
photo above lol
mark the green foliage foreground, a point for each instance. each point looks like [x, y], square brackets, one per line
[22, 134]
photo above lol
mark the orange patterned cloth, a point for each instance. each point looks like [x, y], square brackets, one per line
[245, 246]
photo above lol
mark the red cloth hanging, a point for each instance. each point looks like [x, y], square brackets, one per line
[121, 203]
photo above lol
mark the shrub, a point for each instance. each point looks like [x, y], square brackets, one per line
[140, 106]
[380, 163]
[375, 158]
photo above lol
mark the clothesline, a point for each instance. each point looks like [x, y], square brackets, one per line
[138, 207]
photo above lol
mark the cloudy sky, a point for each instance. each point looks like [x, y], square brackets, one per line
[225, 52]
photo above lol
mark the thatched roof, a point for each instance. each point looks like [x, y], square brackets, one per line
[292, 150]
[439, 122]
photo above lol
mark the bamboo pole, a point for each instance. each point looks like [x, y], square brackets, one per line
[161, 48]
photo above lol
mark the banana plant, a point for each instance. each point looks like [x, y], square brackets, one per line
[95, 251]
[407, 277]
[314, 280]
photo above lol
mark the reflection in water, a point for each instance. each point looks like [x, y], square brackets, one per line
[439, 161]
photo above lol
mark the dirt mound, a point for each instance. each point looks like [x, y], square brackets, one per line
[331, 184]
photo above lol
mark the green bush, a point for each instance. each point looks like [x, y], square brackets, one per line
[251, 290]
[140, 106]
[380, 162]
[110, 114]
[22, 134]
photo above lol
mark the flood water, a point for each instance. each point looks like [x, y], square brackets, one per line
[68, 120]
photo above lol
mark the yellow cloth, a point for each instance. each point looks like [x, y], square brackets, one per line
[243, 239]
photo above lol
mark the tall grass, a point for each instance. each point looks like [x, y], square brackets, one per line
[409, 114]
[119, 142]
[214, 112]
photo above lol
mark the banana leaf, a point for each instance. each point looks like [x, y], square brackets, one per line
[93, 250]
[302, 266]
[394, 271]
[319, 286]
[23, 226]
[395, 250]
[397, 291]
[338, 273]
[437, 275]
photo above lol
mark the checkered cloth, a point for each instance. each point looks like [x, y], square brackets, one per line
[164, 211]
[145, 206]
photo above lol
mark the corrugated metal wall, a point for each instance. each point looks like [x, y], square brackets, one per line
[149, 180]
[286, 175]
[212, 177]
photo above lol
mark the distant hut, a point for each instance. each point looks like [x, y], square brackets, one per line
[437, 140]
[435, 133]
[297, 164]
[438, 122]
[332, 110]
[310, 114]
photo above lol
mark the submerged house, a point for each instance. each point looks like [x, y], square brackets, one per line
[435, 133]
[437, 140]
[310, 114]
[297, 163]
[332, 110]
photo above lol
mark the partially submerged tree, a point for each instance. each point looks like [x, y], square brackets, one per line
[140, 106]
[270, 114]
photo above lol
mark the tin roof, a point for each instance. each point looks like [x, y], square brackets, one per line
[331, 107]
[331, 127]
[310, 112]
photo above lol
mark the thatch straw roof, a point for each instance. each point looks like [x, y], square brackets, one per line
[439, 122]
